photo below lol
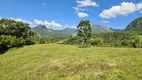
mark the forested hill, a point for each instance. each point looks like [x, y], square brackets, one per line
[135, 25]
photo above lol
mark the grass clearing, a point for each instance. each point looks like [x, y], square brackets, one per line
[66, 62]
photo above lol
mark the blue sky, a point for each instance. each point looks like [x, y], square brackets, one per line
[58, 14]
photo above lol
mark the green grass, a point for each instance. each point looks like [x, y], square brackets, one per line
[65, 62]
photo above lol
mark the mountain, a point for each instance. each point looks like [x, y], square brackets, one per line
[135, 25]
[50, 33]
[99, 28]
[67, 32]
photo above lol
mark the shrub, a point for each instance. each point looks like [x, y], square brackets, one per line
[96, 41]
[41, 41]
[138, 42]
[6, 42]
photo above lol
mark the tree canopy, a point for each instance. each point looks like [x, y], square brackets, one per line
[14, 34]
[84, 30]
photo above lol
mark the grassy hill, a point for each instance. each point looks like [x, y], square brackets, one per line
[65, 62]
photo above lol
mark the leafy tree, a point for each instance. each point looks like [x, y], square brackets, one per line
[14, 34]
[13, 28]
[84, 31]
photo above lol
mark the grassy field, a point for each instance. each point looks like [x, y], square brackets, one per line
[65, 62]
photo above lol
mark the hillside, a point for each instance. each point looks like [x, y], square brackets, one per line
[65, 62]
[67, 32]
[135, 25]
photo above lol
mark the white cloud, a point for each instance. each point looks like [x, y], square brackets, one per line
[105, 21]
[46, 23]
[86, 3]
[53, 24]
[21, 20]
[82, 6]
[124, 9]
[70, 26]
[82, 14]
[79, 9]
[139, 6]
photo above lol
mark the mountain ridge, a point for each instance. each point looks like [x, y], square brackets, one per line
[67, 32]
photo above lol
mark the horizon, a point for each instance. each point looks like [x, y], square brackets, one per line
[58, 15]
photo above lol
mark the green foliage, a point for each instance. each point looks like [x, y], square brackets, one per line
[112, 39]
[139, 42]
[41, 41]
[135, 42]
[84, 31]
[13, 28]
[38, 39]
[52, 40]
[14, 34]
[96, 41]
[6, 42]
[118, 39]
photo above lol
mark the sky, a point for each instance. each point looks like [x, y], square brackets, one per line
[59, 14]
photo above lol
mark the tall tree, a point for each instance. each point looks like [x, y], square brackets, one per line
[84, 30]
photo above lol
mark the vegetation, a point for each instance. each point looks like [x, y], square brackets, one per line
[66, 62]
[112, 39]
[14, 34]
[96, 41]
[120, 39]
[84, 31]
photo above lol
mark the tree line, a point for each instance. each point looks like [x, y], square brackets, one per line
[124, 38]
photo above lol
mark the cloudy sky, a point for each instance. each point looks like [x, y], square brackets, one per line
[58, 14]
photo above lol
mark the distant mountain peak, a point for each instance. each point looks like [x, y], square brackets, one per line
[41, 26]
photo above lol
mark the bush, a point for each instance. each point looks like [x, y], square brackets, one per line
[96, 41]
[6, 42]
[20, 42]
[41, 41]
[138, 42]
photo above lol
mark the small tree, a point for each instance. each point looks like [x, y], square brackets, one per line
[84, 31]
